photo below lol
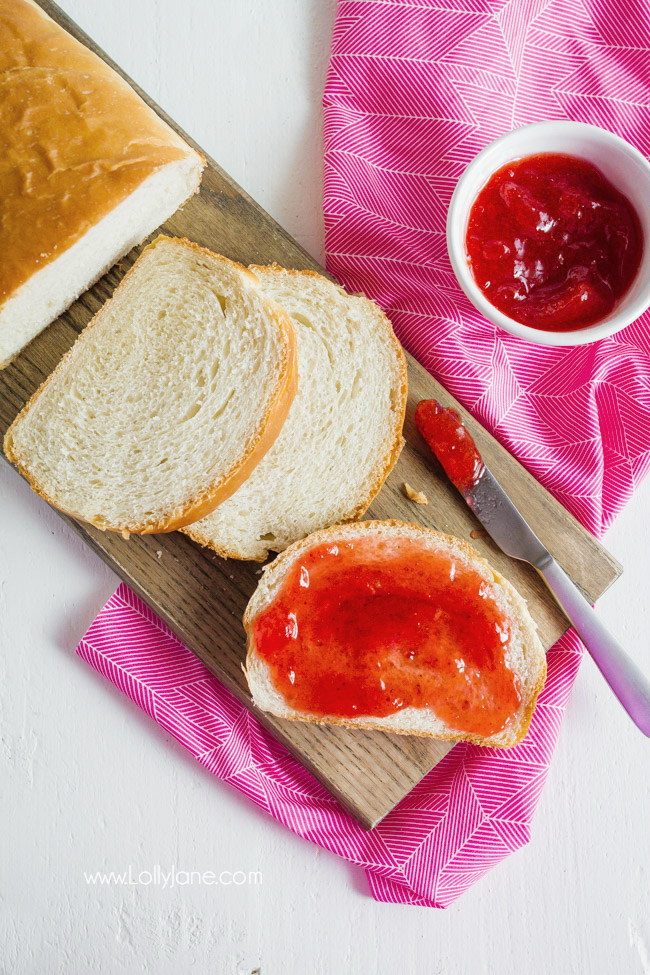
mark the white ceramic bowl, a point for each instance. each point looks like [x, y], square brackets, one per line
[620, 162]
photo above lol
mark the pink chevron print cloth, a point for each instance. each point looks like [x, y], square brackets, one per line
[415, 89]
[471, 811]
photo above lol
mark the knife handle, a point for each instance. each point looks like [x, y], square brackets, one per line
[630, 686]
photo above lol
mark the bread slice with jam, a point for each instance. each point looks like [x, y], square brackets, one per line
[389, 626]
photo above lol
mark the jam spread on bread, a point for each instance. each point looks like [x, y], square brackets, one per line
[443, 430]
[552, 243]
[369, 626]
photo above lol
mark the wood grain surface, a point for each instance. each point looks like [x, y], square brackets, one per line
[202, 597]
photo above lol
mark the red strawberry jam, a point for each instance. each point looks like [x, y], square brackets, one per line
[443, 430]
[552, 243]
[369, 625]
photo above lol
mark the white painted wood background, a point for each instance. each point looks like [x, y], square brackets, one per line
[90, 783]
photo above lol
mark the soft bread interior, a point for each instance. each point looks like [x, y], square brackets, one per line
[526, 653]
[164, 397]
[342, 435]
[54, 287]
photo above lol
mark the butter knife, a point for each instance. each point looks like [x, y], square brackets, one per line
[508, 528]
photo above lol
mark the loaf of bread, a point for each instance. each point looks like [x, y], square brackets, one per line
[339, 664]
[87, 171]
[168, 399]
[344, 431]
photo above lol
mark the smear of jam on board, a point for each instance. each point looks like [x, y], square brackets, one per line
[552, 243]
[443, 430]
[369, 625]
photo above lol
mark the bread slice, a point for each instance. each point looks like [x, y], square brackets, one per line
[526, 654]
[344, 431]
[167, 400]
[87, 171]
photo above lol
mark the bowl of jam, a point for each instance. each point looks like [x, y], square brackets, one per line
[547, 232]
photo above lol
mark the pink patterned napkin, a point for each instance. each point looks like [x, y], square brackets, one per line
[415, 89]
[471, 811]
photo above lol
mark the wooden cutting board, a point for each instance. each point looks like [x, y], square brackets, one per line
[202, 597]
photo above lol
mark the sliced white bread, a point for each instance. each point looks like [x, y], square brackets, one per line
[526, 654]
[167, 400]
[87, 171]
[343, 433]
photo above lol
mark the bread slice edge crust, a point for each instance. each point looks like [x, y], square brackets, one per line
[394, 443]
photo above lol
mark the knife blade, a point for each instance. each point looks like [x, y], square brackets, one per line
[507, 527]
[503, 522]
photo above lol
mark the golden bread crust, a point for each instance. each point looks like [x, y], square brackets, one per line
[77, 141]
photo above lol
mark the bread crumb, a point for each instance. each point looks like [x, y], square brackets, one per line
[159, 553]
[418, 496]
[478, 533]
